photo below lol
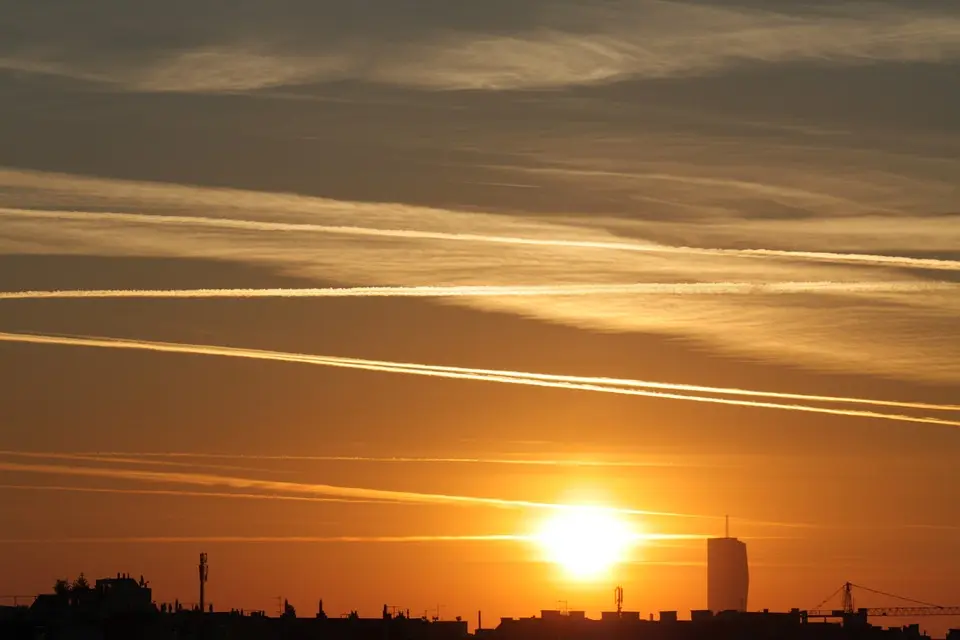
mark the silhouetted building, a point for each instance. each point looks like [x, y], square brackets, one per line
[728, 575]
[123, 595]
[121, 608]
[703, 625]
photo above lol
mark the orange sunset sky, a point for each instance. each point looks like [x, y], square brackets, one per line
[353, 298]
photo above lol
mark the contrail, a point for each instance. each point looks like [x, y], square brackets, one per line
[498, 291]
[256, 225]
[621, 382]
[315, 539]
[139, 458]
[276, 539]
[136, 459]
[206, 480]
[309, 499]
[190, 494]
[424, 370]
[672, 386]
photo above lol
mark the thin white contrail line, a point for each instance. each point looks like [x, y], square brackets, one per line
[360, 291]
[498, 291]
[255, 225]
[556, 384]
[424, 370]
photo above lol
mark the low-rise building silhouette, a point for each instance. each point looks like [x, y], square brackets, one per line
[122, 608]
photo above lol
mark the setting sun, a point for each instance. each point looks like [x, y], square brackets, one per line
[586, 542]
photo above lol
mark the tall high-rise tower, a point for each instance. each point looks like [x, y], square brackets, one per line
[728, 576]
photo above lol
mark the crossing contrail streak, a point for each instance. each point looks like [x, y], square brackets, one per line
[299, 488]
[447, 372]
[256, 225]
[483, 291]
[261, 496]
[673, 386]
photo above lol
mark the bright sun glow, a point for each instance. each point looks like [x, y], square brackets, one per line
[586, 542]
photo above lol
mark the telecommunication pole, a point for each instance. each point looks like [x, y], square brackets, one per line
[203, 570]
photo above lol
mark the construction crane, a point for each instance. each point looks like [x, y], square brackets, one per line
[916, 608]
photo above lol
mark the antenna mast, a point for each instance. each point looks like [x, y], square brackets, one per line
[618, 596]
[727, 529]
[203, 570]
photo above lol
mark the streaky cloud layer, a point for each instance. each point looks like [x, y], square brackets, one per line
[144, 457]
[643, 247]
[869, 326]
[297, 488]
[184, 493]
[132, 459]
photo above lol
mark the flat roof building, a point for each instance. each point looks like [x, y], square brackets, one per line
[728, 575]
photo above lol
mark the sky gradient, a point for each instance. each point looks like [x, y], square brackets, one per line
[349, 294]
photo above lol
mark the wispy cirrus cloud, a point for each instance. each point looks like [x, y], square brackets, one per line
[302, 489]
[568, 44]
[414, 234]
[186, 493]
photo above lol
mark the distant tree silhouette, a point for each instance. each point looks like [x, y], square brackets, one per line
[62, 588]
[81, 584]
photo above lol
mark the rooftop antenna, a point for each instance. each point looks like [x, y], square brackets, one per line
[727, 530]
[618, 596]
[203, 570]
